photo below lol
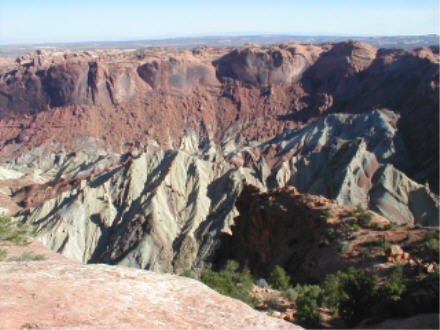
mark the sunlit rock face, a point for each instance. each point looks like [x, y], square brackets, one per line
[45, 294]
[137, 158]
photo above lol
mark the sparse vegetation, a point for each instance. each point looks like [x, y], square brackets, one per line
[432, 241]
[307, 302]
[17, 233]
[382, 244]
[394, 286]
[3, 254]
[291, 294]
[364, 217]
[356, 227]
[343, 248]
[230, 281]
[28, 256]
[14, 231]
[188, 273]
[271, 301]
[363, 253]
[279, 279]
[350, 293]
[388, 226]
[30, 325]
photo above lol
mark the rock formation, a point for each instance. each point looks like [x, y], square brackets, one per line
[48, 294]
[311, 236]
[137, 157]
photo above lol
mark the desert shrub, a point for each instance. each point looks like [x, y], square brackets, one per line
[432, 244]
[328, 214]
[431, 235]
[343, 248]
[356, 227]
[230, 281]
[28, 256]
[14, 231]
[332, 292]
[394, 287]
[188, 273]
[325, 242]
[30, 325]
[385, 246]
[421, 295]
[291, 294]
[279, 279]
[382, 244]
[271, 301]
[364, 217]
[350, 293]
[364, 253]
[388, 226]
[3, 254]
[306, 303]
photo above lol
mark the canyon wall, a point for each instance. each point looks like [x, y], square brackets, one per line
[137, 157]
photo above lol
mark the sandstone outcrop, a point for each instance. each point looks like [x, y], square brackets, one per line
[48, 294]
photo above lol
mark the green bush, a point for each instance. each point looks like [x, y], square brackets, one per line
[325, 242]
[291, 294]
[388, 226]
[343, 248]
[350, 293]
[230, 281]
[306, 304]
[385, 246]
[271, 301]
[328, 214]
[356, 227]
[432, 244]
[394, 287]
[14, 231]
[279, 279]
[364, 217]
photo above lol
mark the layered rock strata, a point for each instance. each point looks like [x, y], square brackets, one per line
[137, 158]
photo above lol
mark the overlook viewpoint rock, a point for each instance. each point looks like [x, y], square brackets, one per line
[58, 293]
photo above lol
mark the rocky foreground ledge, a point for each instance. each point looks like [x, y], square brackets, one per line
[52, 294]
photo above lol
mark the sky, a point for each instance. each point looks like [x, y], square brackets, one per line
[50, 21]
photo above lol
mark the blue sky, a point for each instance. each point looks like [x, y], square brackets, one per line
[38, 21]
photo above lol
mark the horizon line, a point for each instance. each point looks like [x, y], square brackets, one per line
[220, 35]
